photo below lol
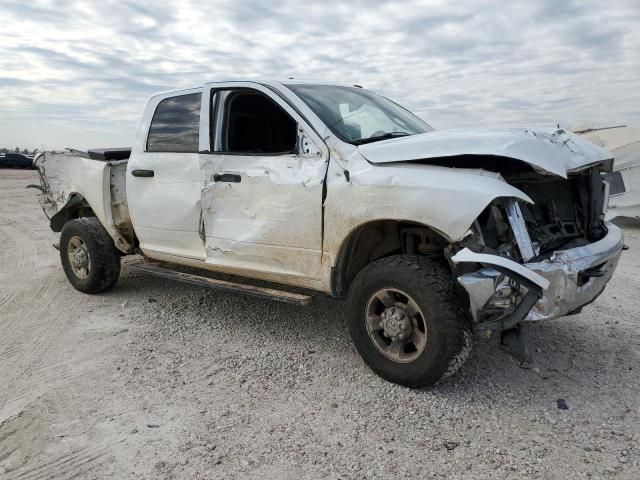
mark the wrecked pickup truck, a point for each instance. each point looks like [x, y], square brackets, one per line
[283, 189]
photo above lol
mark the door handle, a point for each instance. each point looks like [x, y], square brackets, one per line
[142, 173]
[227, 177]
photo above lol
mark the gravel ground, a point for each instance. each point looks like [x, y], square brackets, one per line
[155, 379]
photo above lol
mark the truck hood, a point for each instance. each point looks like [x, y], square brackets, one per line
[554, 152]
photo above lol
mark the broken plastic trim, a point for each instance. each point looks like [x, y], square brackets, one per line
[467, 256]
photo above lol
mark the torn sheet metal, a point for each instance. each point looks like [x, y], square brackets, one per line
[570, 278]
[467, 256]
[120, 217]
[556, 152]
[566, 271]
[71, 174]
[519, 229]
[481, 286]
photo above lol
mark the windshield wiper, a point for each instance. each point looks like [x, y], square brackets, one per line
[384, 136]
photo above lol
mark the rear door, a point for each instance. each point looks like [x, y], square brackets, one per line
[263, 183]
[164, 179]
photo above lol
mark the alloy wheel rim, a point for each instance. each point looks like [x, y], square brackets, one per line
[78, 255]
[396, 325]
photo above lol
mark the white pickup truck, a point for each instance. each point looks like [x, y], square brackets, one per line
[299, 187]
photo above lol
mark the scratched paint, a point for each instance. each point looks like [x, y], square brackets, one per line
[271, 219]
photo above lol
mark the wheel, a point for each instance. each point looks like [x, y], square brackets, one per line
[407, 322]
[89, 258]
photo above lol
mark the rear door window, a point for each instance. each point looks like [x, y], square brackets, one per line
[175, 126]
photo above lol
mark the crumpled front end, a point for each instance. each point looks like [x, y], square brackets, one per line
[567, 281]
[542, 260]
[576, 276]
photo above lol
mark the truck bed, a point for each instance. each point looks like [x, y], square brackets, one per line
[74, 184]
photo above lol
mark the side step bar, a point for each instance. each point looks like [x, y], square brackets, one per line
[224, 285]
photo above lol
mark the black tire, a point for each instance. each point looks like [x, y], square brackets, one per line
[103, 259]
[447, 329]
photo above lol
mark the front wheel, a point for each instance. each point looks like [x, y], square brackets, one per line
[406, 320]
[89, 258]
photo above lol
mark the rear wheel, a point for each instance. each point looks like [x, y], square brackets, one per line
[89, 258]
[406, 320]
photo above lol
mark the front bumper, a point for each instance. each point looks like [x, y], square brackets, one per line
[569, 279]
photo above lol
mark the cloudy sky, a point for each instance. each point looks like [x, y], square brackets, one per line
[78, 73]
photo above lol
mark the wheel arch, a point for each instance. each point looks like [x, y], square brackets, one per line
[375, 239]
[76, 207]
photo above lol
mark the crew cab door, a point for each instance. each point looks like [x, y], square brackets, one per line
[164, 180]
[263, 183]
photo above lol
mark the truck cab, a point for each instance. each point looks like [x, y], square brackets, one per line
[227, 161]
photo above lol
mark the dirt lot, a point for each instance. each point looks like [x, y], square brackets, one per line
[161, 380]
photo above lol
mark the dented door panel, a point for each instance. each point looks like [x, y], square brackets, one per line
[271, 219]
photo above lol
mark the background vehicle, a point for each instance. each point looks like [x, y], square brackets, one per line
[428, 235]
[16, 160]
[624, 143]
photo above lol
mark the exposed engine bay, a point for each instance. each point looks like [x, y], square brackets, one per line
[541, 260]
[567, 213]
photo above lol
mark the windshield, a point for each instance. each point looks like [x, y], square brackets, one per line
[358, 116]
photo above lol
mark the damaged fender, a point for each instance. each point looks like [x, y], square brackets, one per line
[445, 199]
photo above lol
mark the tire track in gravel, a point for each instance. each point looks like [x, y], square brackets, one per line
[9, 352]
[23, 259]
[72, 465]
[25, 453]
[35, 371]
[13, 262]
[35, 314]
[47, 346]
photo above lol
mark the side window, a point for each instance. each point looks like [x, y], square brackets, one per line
[175, 125]
[253, 123]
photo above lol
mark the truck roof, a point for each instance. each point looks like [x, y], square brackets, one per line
[273, 83]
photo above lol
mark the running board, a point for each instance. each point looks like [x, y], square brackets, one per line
[224, 285]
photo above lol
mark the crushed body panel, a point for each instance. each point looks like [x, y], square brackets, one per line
[263, 213]
[569, 278]
[447, 200]
[70, 175]
[556, 152]
[271, 219]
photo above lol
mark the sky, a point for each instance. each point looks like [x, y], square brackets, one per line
[78, 73]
